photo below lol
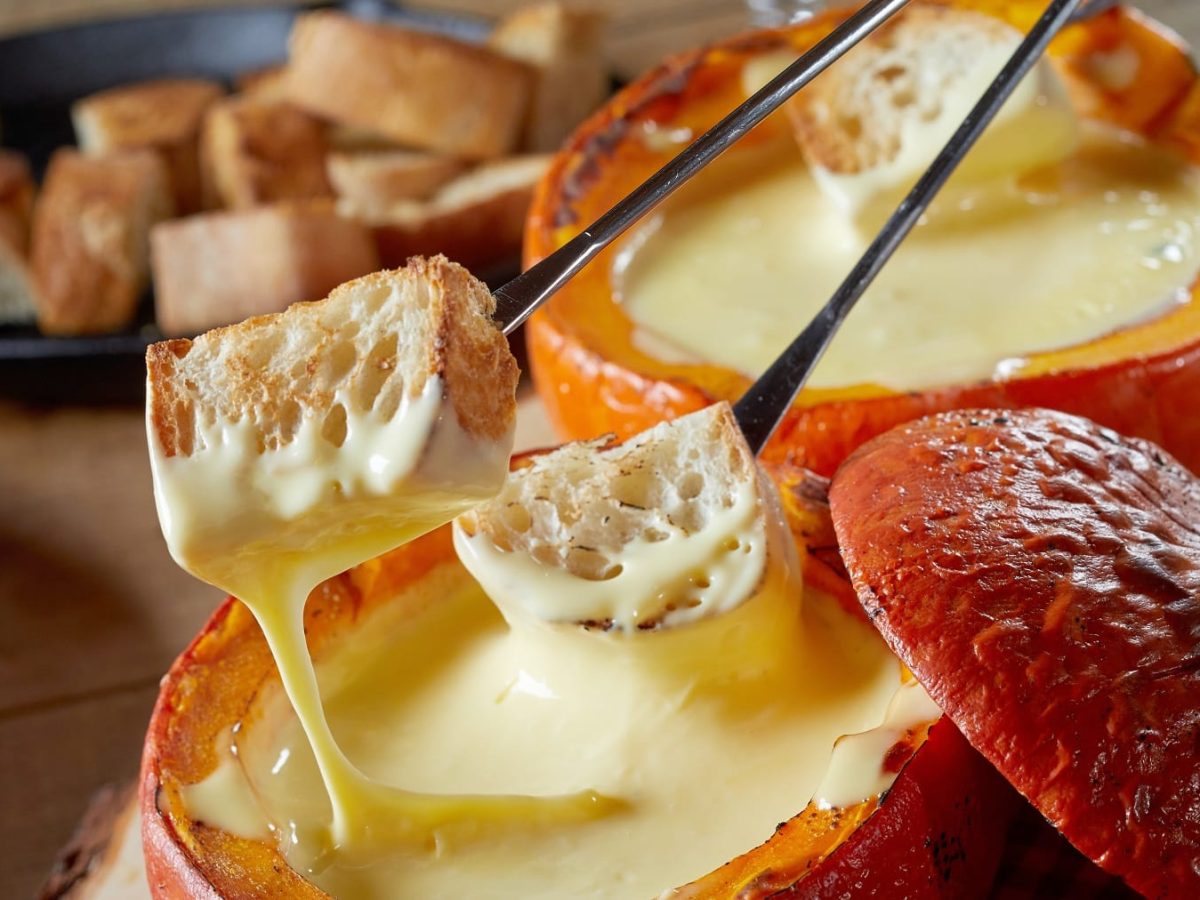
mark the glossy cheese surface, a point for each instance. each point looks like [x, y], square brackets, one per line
[698, 763]
[733, 268]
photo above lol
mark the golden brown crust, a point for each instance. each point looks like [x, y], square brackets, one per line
[162, 115]
[460, 342]
[90, 238]
[418, 89]
[266, 83]
[482, 234]
[476, 220]
[371, 181]
[473, 355]
[221, 267]
[254, 152]
[16, 201]
[145, 114]
[170, 410]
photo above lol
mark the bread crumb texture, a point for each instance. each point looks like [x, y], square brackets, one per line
[854, 117]
[363, 349]
[575, 508]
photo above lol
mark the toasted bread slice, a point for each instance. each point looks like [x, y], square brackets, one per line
[871, 125]
[90, 243]
[477, 219]
[374, 341]
[356, 139]
[564, 48]
[291, 447]
[267, 83]
[255, 152]
[418, 89]
[608, 529]
[162, 115]
[16, 201]
[379, 337]
[373, 182]
[217, 268]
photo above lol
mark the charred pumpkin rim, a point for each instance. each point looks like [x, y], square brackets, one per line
[1162, 104]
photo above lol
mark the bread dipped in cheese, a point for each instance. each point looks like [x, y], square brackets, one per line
[874, 122]
[284, 431]
[674, 526]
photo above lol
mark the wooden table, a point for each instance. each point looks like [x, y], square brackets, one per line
[92, 609]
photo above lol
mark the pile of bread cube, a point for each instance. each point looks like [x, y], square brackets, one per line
[371, 143]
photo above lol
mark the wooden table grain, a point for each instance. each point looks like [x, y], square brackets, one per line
[92, 609]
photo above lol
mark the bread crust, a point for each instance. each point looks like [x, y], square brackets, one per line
[465, 348]
[266, 83]
[255, 152]
[418, 89]
[477, 219]
[163, 115]
[373, 181]
[220, 267]
[89, 253]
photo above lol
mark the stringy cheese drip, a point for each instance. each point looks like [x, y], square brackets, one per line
[270, 523]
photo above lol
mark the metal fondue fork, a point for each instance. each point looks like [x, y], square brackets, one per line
[762, 407]
[516, 300]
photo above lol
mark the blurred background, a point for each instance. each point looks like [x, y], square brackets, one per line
[92, 610]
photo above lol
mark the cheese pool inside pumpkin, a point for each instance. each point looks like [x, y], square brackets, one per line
[732, 268]
[622, 763]
[450, 698]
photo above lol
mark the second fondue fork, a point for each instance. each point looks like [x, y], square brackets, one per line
[763, 406]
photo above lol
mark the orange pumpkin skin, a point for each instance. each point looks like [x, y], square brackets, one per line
[593, 380]
[210, 687]
[1040, 575]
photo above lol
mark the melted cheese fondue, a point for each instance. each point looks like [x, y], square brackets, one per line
[706, 737]
[733, 269]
